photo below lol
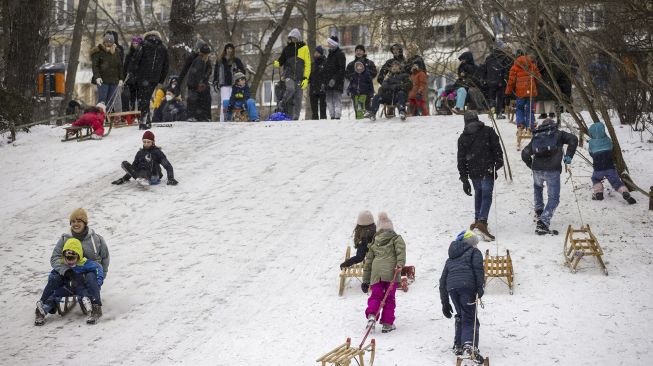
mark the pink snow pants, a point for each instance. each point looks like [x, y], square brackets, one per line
[374, 302]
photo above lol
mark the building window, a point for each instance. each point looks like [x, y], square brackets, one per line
[268, 97]
[250, 38]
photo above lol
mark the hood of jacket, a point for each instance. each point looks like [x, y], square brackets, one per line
[599, 139]
[472, 127]
[76, 246]
[296, 33]
[467, 56]
[384, 237]
[457, 248]
[152, 36]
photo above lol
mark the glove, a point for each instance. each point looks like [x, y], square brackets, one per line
[332, 83]
[480, 292]
[419, 96]
[467, 188]
[98, 81]
[447, 311]
[343, 265]
[120, 83]
[172, 182]
[276, 63]
[118, 181]
[304, 83]
[365, 287]
[567, 159]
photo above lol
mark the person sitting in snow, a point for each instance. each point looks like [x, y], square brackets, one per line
[363, 235]
[83, 277]
[240, 98]
[462, 280]
[94, 117]
[600, 148]
[93, 248]
[385, 257]
[394, 91]
[146, 168]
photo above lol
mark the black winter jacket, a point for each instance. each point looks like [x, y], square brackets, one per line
[150, 64]
[361, 84]
[197, 70]
[361, 249]
[467, 71]
[369, 66]
[385, 69]
[602, 160]
[479, 151]
[334, 69]
[151, 160]
[497, 66]
[128, 61]
[394, 83]
[224, 72]
[463, 269]
[552, 162]
[317, 80]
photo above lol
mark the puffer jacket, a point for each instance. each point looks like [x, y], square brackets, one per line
[151, 160]
[600, 148]
[83, 265]
[463, 269]
[93, 247]
[317, 81]
[522, 79]
[361, 84]
[334, 69]
[386, 252]
[479, 151]
[295, 60]
[151, 62]
[418, 78]
[106, 64]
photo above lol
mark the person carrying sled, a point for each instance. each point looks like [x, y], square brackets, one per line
[146, 168]
[93, 247]
[295, 59]
[360, 88]
[479, 157]
[82, 278]
[385, 256]
[462, 281]
[394, 91]
[600, 149]
[522, 80]
[240, 98]
[363, 235]
[543, 155]
[94, 117]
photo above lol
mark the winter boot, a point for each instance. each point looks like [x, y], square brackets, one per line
[371, 115]
[542, 229]
[473, 225]
[97, 311]
[371, 320]
[481, 226]
[628, 198]
[387, 328]
[402, 114]
[472, 353]
[40, 314]
[598, 196]
[500, 116]
[538, 213]
[87, 308]
[457, 349]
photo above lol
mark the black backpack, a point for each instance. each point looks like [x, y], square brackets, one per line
[545, 141]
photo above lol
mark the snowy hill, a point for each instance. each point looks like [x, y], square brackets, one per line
[238, 264]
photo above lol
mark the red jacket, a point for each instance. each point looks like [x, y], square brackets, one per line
[419, 84]
[96, 120]
[522, 78]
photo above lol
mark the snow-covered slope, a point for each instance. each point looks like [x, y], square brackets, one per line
[238, 264]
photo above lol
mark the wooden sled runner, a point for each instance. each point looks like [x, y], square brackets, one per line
[499, 267]
[66, 304]
[523, 134]
[122, 119]
[461, 359]
[345, 353]
[78, 133]
[355, 270]
[389, 110]
[580, 243]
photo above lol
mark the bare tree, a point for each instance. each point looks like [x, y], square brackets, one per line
[182, 28]
[73, 59]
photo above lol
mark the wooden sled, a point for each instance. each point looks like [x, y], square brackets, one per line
[523, 134]
[460, 359]
[355, 270]
[580, 243]
[66, 304]
[122, 119]
[345, 353]
[407, 277]
[510, 110]
[78, 133]
[499, 267]
[389, 110]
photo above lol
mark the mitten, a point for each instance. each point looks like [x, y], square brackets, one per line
[447, 311]
[365, 287]
[98, 81]
[567, 159]
[304, 83]
[276, 63]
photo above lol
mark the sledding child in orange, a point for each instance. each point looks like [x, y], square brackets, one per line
[94, 117]
[417, 95]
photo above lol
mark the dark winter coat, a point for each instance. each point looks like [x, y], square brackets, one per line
[334, 69]
[197, 70]
[317, 80]
[239, 96]
[543, 93]
[417, 59]
[385, 69]
[151, 62]
[224, 71]
[369, 66]
[552, 162]
[463, 269]
[361, 248]
[361, 84]
[128, 61]
[173, 110]
[497, 65]
[467, 71]
[394, 83]
[479, 151]
[151, 160]
[107, 64]
[295, 59]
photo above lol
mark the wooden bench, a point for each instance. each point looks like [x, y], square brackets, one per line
[580, 243]
[345, 353]
[499, 267]
[355, 270]
[78, 133]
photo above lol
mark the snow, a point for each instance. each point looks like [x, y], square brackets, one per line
[238, 264]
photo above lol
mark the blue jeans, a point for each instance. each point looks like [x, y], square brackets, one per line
[482, 197]
[252, 114]
[552, 179]
[461, 95]
[106, 93]
[462, 298]
[523, 110]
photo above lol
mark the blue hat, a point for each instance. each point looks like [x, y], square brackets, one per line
[320, 50]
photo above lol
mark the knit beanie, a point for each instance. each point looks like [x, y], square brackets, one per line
[333, 41]
[365, 218]
[320, 50]
[384, 222]
[148, 135]
[359, 47]
[205, 49]
[470, 116]
[102, 106]
[79, 214]
[137, 39]
[468, 237]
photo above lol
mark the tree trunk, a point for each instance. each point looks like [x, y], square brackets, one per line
[73, 58]
[182, 27]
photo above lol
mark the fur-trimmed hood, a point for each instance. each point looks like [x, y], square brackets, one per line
[152, 33]
[100, 47]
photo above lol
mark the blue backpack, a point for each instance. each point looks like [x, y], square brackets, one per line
[545, 140]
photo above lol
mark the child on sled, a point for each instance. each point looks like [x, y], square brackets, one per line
[363, 236]
[146, 168]
[94, 117]
[240, 99]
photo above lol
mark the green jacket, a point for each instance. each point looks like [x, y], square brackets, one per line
[106, 65]
[386, 252]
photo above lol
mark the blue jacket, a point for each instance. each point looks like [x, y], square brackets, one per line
[463, 269]
[239, 96]
[361, 83]
[90, 266]
[599, 139]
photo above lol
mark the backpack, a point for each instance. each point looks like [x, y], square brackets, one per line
[545, 141]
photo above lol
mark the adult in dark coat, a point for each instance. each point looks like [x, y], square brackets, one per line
[397, 56]
[497, 65]
[317, 85]
[479, 157]
[131, 81]
[370, 67]
[149, 68]
[334, 71]
[196, 71]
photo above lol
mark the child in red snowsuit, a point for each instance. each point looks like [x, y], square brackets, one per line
[417, 95]
[94, 117]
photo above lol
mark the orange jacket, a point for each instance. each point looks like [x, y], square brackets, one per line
[419, 84]
[522, 78]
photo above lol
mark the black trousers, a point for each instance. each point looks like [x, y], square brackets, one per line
[198, 104]
[318, 99]
[145, 91]
[496, 97]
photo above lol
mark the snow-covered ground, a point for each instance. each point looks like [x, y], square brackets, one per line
[238, 264]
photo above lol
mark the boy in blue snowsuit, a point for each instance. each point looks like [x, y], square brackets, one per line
[240, 98]
[84, 279]
[462, 280]
[600, 149]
